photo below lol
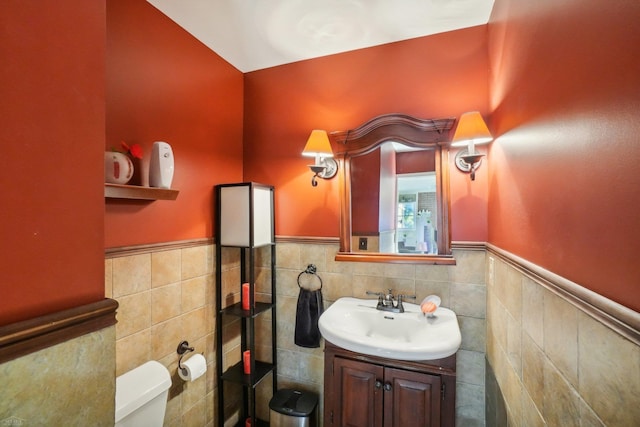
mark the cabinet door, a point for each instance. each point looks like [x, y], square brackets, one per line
[411, 399]
[358, 394]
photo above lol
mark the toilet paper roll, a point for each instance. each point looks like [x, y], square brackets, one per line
[193, 368]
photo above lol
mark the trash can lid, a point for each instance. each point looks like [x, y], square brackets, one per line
[293, 402]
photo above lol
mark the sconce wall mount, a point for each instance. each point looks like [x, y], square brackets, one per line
[468, 163]
[471, 131]
[319, 147]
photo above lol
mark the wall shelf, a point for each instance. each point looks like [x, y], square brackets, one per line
[136, 192]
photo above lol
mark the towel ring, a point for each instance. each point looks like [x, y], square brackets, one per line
[311, 270]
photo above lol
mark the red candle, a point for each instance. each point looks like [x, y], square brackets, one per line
[246, 360]
[247, 422]
[245, 296]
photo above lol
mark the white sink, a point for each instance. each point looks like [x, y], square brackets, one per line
[355, 324]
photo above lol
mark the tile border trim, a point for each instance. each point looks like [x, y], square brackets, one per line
[122, 251]
[28, 336]
[617, 317]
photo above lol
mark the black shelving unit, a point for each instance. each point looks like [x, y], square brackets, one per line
[245, 223]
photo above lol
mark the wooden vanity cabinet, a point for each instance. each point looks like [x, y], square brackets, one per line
[369, 391]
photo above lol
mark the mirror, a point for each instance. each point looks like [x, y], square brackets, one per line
[394, 184]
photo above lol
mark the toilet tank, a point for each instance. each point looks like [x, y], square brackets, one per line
[141, 396]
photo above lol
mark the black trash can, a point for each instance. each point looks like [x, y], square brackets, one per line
[293, 408]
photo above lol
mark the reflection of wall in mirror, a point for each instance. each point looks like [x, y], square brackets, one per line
[365, 194]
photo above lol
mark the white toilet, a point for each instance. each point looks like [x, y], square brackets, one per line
[141, 396]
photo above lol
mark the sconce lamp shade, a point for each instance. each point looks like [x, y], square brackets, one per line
[471, 129]
[318, 145]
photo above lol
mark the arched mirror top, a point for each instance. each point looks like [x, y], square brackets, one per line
[397, 230]
[408, 130]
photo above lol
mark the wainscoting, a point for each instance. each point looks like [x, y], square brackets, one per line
[166, 294]
[557, 354]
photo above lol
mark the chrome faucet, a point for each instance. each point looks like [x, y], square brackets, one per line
[386, 301]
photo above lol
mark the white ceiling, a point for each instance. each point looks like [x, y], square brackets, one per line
[257, 34]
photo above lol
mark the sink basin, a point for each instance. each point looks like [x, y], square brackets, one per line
[355, 324]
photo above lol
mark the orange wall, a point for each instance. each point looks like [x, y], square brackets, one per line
[52, 133]
[163, 85]
[565, 176]
[437, 76]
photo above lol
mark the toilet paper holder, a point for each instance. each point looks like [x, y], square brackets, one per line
[183, 349]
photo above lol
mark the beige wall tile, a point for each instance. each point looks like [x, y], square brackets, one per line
[263, 281]
[469, 268]
[588, 418]
[511, 295]
[468, 299]
[533, 310]
[166, 336]
[575, 370]
[469, 405]
[231, 287]
[400, 271]
[514, 344]
[399, 285]
[361, 284]
[195, 262]
[65, 384]
[313, 254]
[499, 322]
[166, 267]
[424, 288]
[513, 392]
[287, 284]
[134, 314]
[180, 307]
[561, 402]
[194, 324]
[561, 335]
[434, 273]
[197, 286]
[165, 302]
[193, 293]
[367, 269]
[131, 274]
[335, 286]
[194, 416]
[286, 307]
[533, 360]
[473, 333]
[609, 373]
[133, 351]
[531, 416]
[288, 256]
[470, 367]
[334, 266]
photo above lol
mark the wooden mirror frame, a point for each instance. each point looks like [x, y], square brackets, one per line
[420, 133]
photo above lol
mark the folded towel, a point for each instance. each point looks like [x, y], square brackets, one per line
[308, 311]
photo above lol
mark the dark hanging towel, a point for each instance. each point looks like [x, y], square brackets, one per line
[308, 311]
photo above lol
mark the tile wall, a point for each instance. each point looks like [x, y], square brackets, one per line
[461, 287]
[166, 296]
[63, 385]
[549, 363]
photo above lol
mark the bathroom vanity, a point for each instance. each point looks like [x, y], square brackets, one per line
[371, 391]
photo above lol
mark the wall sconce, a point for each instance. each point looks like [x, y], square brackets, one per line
[471, 131]
[318, 146]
